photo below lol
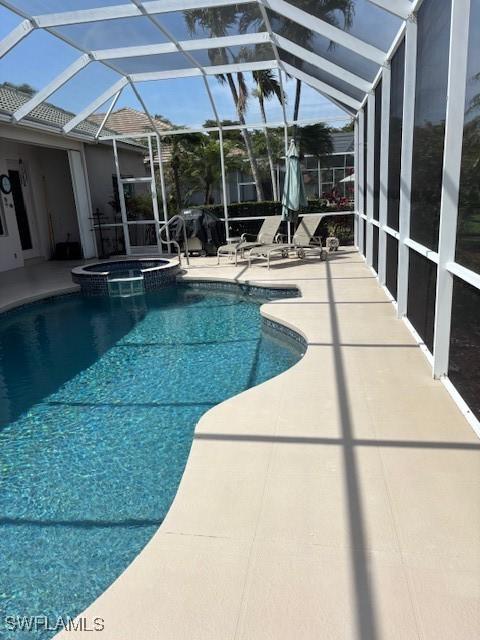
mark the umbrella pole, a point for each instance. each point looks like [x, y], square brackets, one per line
[289, 232]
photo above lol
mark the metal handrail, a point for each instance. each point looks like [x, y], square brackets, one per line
[168, 241]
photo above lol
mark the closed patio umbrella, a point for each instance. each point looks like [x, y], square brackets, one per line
[294, 197]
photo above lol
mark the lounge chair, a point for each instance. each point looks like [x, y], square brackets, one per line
[304, 242]
[266, 235]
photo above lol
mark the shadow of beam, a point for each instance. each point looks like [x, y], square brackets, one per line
[306, 302]
[80, 524]
[120, 405]
[338, 442]
[182, 344]
[364, 595]
[369, 345]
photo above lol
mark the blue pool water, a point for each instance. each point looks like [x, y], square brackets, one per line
[98, 403]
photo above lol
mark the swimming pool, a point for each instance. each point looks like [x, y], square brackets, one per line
[99, 398]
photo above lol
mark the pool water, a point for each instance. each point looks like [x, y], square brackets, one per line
[99, 399]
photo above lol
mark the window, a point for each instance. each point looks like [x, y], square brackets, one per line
[395, 136]
[430, 111]
[468, 226]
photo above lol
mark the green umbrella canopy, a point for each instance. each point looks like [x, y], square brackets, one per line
[294, 197]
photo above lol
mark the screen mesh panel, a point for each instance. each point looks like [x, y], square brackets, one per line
[422, 282]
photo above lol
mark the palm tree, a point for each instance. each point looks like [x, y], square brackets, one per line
[338, 13]
[203, 167]
[315, 140]
[267, 87]
[217, 24]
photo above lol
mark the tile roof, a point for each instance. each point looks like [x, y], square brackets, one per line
[343, 142]
[12, 99]
[127, 120]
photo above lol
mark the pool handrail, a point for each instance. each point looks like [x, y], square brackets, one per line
[168, 241]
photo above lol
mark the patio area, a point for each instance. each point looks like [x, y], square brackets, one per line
[347, 508]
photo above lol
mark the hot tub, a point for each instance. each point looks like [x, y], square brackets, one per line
[125, 277]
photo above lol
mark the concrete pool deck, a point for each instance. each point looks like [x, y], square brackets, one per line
[339, 500]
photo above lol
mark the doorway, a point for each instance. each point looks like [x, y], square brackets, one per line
[21, 215]
[23, 209]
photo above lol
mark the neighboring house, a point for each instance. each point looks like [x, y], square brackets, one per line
[57, 183]
[321, 175]
[128, 121]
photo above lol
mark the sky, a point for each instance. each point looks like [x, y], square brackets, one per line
[40, 57]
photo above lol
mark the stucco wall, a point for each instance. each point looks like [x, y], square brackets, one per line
[101, 169]
[47, 193]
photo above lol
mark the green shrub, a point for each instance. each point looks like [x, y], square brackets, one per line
[266, 208]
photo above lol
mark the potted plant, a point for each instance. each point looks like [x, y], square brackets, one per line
[333, 242]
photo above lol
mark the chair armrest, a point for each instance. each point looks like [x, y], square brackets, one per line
[245, 235]
[281, 237]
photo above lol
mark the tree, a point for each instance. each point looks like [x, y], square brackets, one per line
[180, 146]
[24, 87]
[218, 24]
[203, 165]
[338, 13]
[267, 86]
[195, 157]
[315, 140]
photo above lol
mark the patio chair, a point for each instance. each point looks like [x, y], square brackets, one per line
[266, 236]
[304, 242]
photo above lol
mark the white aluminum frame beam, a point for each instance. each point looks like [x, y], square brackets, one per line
[322, 63]
[212, 70]
[76, 66]
[322, 87]
[452, 161]
[107, 115]
[124, 11]
[15, 36]
[93, 106]
[186, 45]
[232, 127]
[326, 30]
[401, 8]
[154, 20]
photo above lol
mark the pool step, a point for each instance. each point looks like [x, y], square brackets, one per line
[125, 285]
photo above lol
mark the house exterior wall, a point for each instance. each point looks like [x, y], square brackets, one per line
[101, 170]
[48, 198]
[48, 191]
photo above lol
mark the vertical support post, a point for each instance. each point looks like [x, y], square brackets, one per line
[121, 198]
[383, 202]
[319, 178]
[370, 174]
[162, 186]
[285, 142]
[361, 178]
[153, 189]
[83, 203]
[355, 172]
[406, 162]
[452, 159]
[224, 184]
